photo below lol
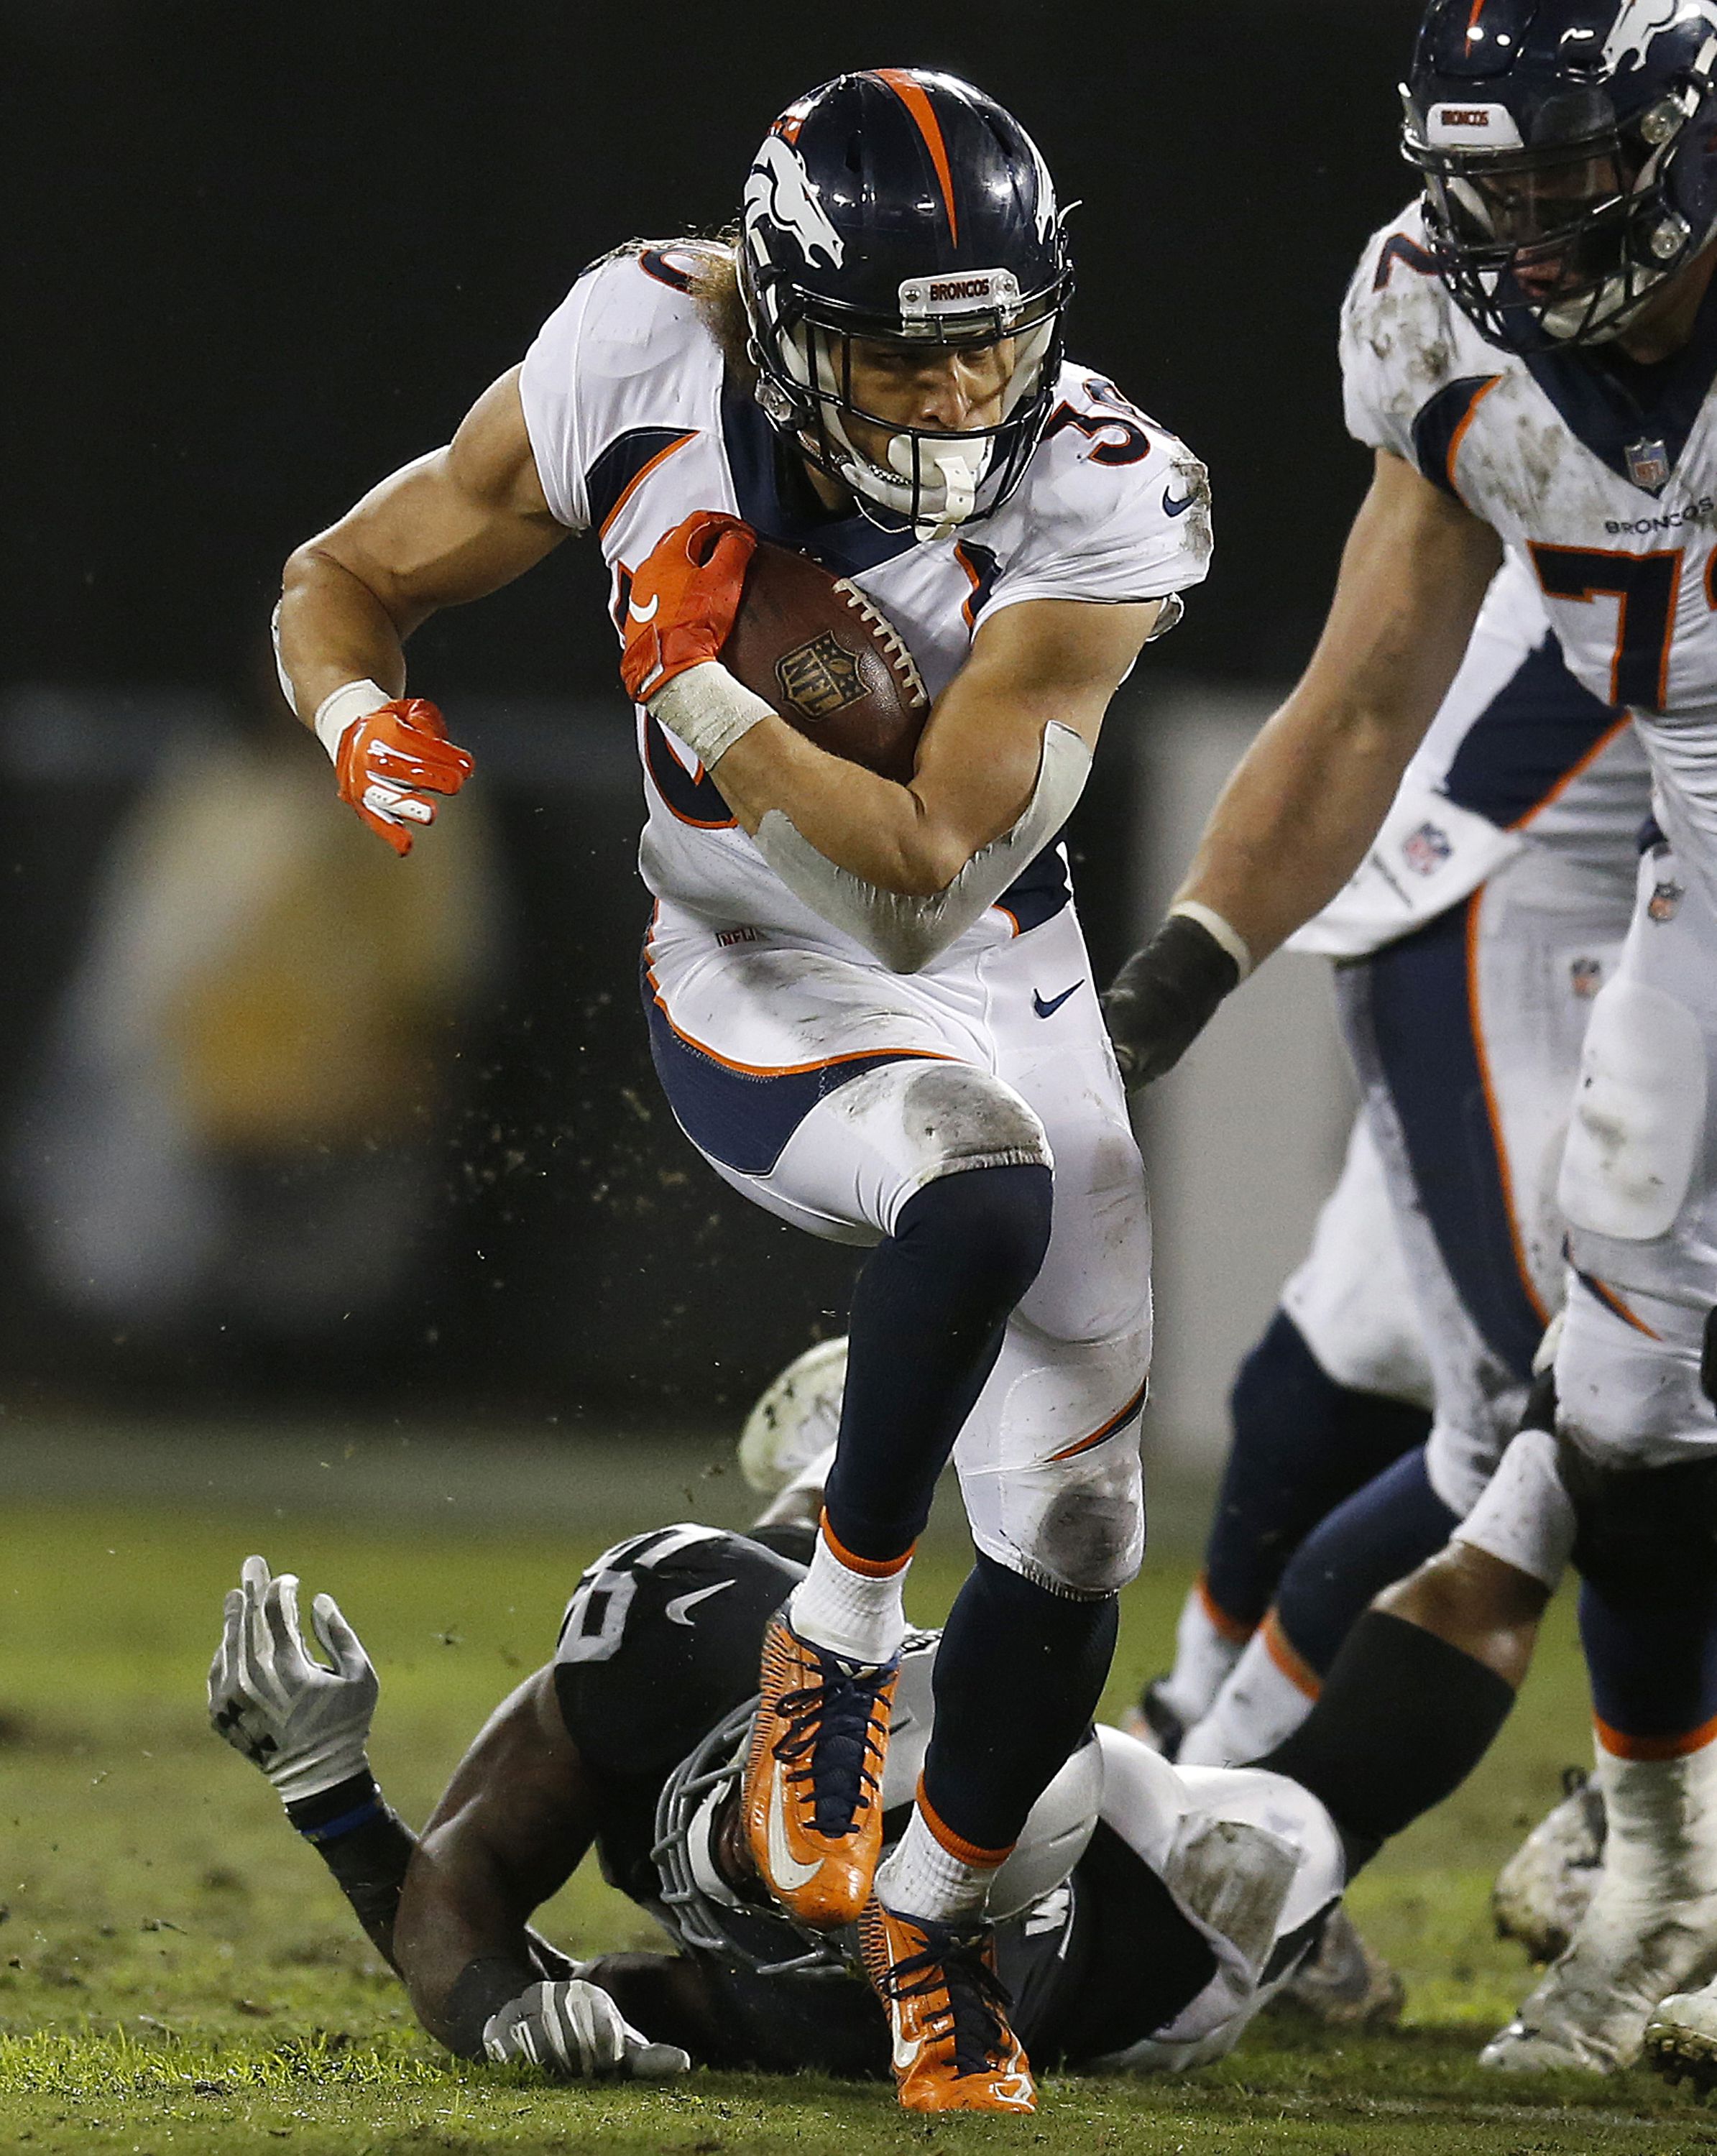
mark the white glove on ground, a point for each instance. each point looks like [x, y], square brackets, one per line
[304, 1726]
[573, 2031]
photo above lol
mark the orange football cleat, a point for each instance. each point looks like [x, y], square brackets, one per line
[953, 2047]
[814, 1776]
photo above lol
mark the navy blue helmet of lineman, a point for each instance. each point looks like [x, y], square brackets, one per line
[905, 207]
[1570, 155]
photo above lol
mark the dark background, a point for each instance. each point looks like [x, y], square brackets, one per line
[259, 256]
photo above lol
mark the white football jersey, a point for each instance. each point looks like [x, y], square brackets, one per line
[1599, 475]
[635, 424]
[1520, 755]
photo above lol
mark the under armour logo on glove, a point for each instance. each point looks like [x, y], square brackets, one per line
[230, 1721]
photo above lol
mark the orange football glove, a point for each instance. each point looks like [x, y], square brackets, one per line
[390, 759]
[684, 600]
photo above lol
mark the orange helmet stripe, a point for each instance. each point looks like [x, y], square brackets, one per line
[1472, 19]
[911, 93]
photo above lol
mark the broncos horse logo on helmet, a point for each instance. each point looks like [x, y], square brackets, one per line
[905, 208]
[1570, 155]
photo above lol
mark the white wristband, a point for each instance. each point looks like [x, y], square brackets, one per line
[337, 714]
[1229, 937]
[708, 710]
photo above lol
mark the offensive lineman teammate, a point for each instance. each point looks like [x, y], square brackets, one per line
[1490, 909]
[869, 1004]
[1531, 355]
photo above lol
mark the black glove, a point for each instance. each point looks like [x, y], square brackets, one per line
[1164, 997]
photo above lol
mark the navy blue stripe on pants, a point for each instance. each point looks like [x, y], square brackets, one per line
[1413, 1001]
[743, 1118]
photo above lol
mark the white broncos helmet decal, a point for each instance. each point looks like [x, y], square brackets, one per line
[778, 188]
[1641, 21]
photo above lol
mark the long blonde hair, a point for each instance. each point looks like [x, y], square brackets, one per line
[714, 272]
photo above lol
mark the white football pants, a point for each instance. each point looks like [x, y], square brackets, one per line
[1639, 1188]
[829, 1092]
[1467, 1037]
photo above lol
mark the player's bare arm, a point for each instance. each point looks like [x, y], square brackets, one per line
[483, 1982]
[509, 1830]
[1043, 662]
[448, 528]
[1297, 815]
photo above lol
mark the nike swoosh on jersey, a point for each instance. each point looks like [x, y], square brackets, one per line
[1049, 1009]
[681, 1604]
[635, 613]
[1173, 508]
[786, 1869]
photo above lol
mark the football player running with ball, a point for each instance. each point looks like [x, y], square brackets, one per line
[869, 1001]
[1531, 351]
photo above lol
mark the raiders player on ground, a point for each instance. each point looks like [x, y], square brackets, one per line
[1149, 1912]
[1530, 352]
[870, 1003]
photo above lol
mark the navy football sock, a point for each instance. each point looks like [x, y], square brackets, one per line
[1018, 1677]
[1653, 1669]
[1302, 1444]
[926, 1327]
[1382, 1533]
[1401, 1721]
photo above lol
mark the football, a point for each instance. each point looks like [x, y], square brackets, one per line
[815, 647]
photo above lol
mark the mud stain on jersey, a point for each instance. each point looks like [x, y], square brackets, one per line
[1411, 355]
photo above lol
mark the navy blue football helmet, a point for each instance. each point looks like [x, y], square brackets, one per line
[908, 209]
[1570, 155]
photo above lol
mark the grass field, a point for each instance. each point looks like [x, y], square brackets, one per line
[178, 1973]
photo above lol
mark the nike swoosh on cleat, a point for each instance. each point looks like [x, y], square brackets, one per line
[682, 1603]
[1173, 508]
[1049, 1009]
[635, 613]
[906, 2056]
[786, 1869]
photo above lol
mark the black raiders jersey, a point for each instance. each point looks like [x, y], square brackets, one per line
[660, 1642]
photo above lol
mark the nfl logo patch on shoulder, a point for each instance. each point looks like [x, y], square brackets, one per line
[1648, 464]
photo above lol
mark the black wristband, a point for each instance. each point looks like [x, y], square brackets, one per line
[481, 1988]
[331, 1813]
[366, 1846]
[1165, 995]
